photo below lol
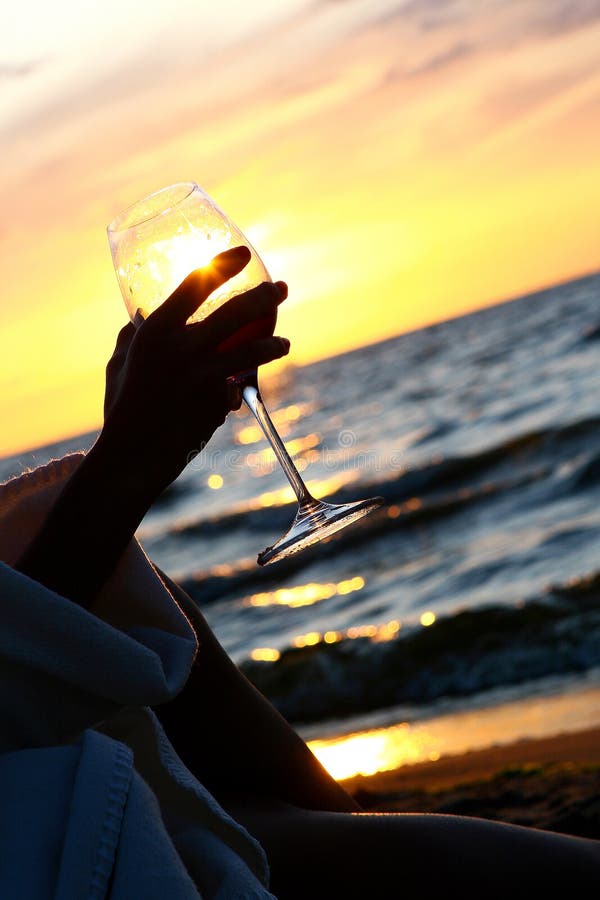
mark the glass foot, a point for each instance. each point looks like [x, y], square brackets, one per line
[315, 521]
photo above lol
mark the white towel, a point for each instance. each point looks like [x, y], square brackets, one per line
[94, 794]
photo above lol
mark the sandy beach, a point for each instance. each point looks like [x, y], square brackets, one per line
[551, 783]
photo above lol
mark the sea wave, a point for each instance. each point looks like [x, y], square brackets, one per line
[560, 456]
[458, 655]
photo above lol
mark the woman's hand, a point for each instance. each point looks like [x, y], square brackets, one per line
[167, 387]
[167, 391]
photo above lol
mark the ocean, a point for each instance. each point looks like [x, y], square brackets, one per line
[472, 594]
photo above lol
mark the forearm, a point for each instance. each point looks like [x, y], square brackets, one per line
[244, 746]
[168, 390]
[89, 527]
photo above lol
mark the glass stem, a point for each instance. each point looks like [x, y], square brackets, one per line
[251, 395]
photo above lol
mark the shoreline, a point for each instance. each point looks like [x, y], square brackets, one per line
[551, 783]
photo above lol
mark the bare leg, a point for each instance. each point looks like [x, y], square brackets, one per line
[331, 855]
[263, 773]
[244, 744]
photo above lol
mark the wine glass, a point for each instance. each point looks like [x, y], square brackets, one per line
[155, 244]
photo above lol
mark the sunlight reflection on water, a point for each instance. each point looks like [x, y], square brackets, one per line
[383, 749]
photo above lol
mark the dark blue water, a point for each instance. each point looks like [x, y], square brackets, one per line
[483, 436]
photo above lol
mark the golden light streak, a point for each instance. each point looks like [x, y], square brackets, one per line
[351, 585]
[305, 594]
[283, 418]
[265, 459]
[332, 637]
[319, 489]
[265, 654]
[249, 434]
[386, 632]
[307, 640]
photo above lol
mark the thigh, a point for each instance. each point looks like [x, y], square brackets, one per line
[330, 855]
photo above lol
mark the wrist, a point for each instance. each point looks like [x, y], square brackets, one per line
[90, 525]
[124, 470]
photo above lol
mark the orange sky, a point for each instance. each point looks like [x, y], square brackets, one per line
[396, 162]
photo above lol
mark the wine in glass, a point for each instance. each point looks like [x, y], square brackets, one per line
[155, 244]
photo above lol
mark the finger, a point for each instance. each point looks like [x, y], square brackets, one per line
[251, 356]
[125, 336]
[283, 288]
[194, 290]
[258, 303]
[124, 339]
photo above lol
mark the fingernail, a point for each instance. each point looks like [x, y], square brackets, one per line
[285, 344]
[239, 251]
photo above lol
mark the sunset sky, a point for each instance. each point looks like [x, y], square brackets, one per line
[396, 162]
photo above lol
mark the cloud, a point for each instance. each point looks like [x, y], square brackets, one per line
[558, 16]
[549, 16]
[434, 63]
[12, 71]
[440, 60]
[511, 18]
[429, 15]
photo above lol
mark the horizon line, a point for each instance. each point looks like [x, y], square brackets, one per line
[291, 365]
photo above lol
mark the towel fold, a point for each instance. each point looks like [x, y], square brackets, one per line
[75, 687]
